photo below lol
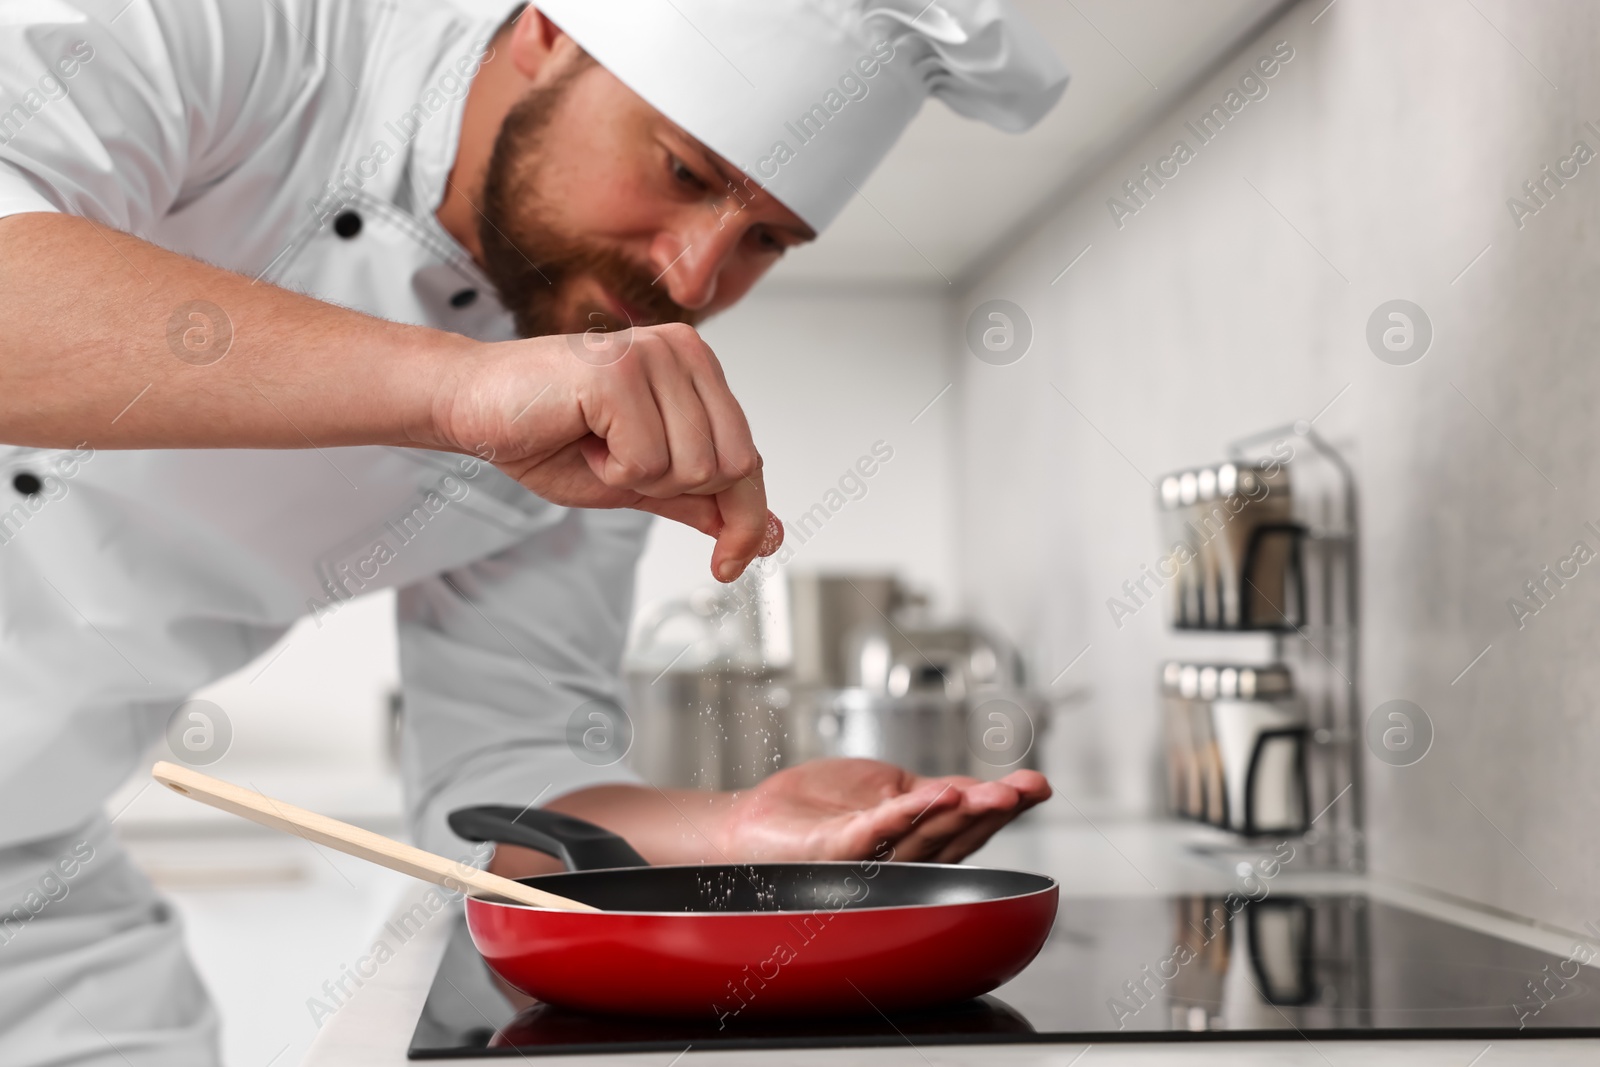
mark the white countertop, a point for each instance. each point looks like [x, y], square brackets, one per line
[373, 1027]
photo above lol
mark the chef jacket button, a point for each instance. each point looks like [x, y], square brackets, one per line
[464, 299]
[347, 225]
[27, 484]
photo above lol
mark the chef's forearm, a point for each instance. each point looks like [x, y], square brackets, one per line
[109, 340]
[665, 825]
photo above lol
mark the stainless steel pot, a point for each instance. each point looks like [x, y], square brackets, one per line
[907, 659]
[829, 611]
[985, 734]
[707, 729]
[713, 707]
[701, 673]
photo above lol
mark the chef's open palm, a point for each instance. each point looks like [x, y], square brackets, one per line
[848, 809]
[641, 419]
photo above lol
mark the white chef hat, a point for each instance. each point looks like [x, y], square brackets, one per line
[807, 96]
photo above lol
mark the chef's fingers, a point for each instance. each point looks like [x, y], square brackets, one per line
[1033, 786]
[972, 837]
[994, 805]
[746, 527]
[626, 417]
[706, 428]
[736, 448]
[694, 466]
[701, 512]
[1030, 784]
[988, 804]
[929, 837]
[741, 491]
[984, 797]
[865, 833]
[923, 818]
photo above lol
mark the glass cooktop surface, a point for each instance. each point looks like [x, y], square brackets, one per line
[1172, 968]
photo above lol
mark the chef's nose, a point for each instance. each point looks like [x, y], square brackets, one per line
[690, 258]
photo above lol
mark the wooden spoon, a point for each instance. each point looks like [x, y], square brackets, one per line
[353, 840]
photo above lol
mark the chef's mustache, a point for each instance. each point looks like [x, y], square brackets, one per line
[539, 290]
[630, 284]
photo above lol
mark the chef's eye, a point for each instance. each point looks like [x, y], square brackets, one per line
[686, 177]
[766, 240]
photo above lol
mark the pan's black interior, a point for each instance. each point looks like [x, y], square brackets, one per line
[786, 886]
[625, 884]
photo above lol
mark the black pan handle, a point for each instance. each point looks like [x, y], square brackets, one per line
[582, 846]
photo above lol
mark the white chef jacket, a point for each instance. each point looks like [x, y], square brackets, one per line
[306, 142]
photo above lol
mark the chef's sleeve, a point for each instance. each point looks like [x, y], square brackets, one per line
[510, 670]
[113, 110]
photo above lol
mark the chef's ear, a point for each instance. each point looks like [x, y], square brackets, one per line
[536, 43]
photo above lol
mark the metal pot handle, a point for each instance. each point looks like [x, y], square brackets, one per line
[581, 845]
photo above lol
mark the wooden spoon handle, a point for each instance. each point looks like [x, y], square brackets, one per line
[353, 840]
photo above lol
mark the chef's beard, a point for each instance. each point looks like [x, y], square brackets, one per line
[533, 263]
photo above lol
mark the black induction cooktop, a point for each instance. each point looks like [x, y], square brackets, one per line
[1155, 969]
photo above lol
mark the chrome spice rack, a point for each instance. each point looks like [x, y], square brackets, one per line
[1267, 544]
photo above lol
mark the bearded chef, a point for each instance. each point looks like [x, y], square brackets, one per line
[305, 299]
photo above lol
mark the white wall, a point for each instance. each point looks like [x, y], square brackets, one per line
[1377, 167]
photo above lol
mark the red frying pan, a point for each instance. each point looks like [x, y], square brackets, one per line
[764, 938]
[750, 940]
